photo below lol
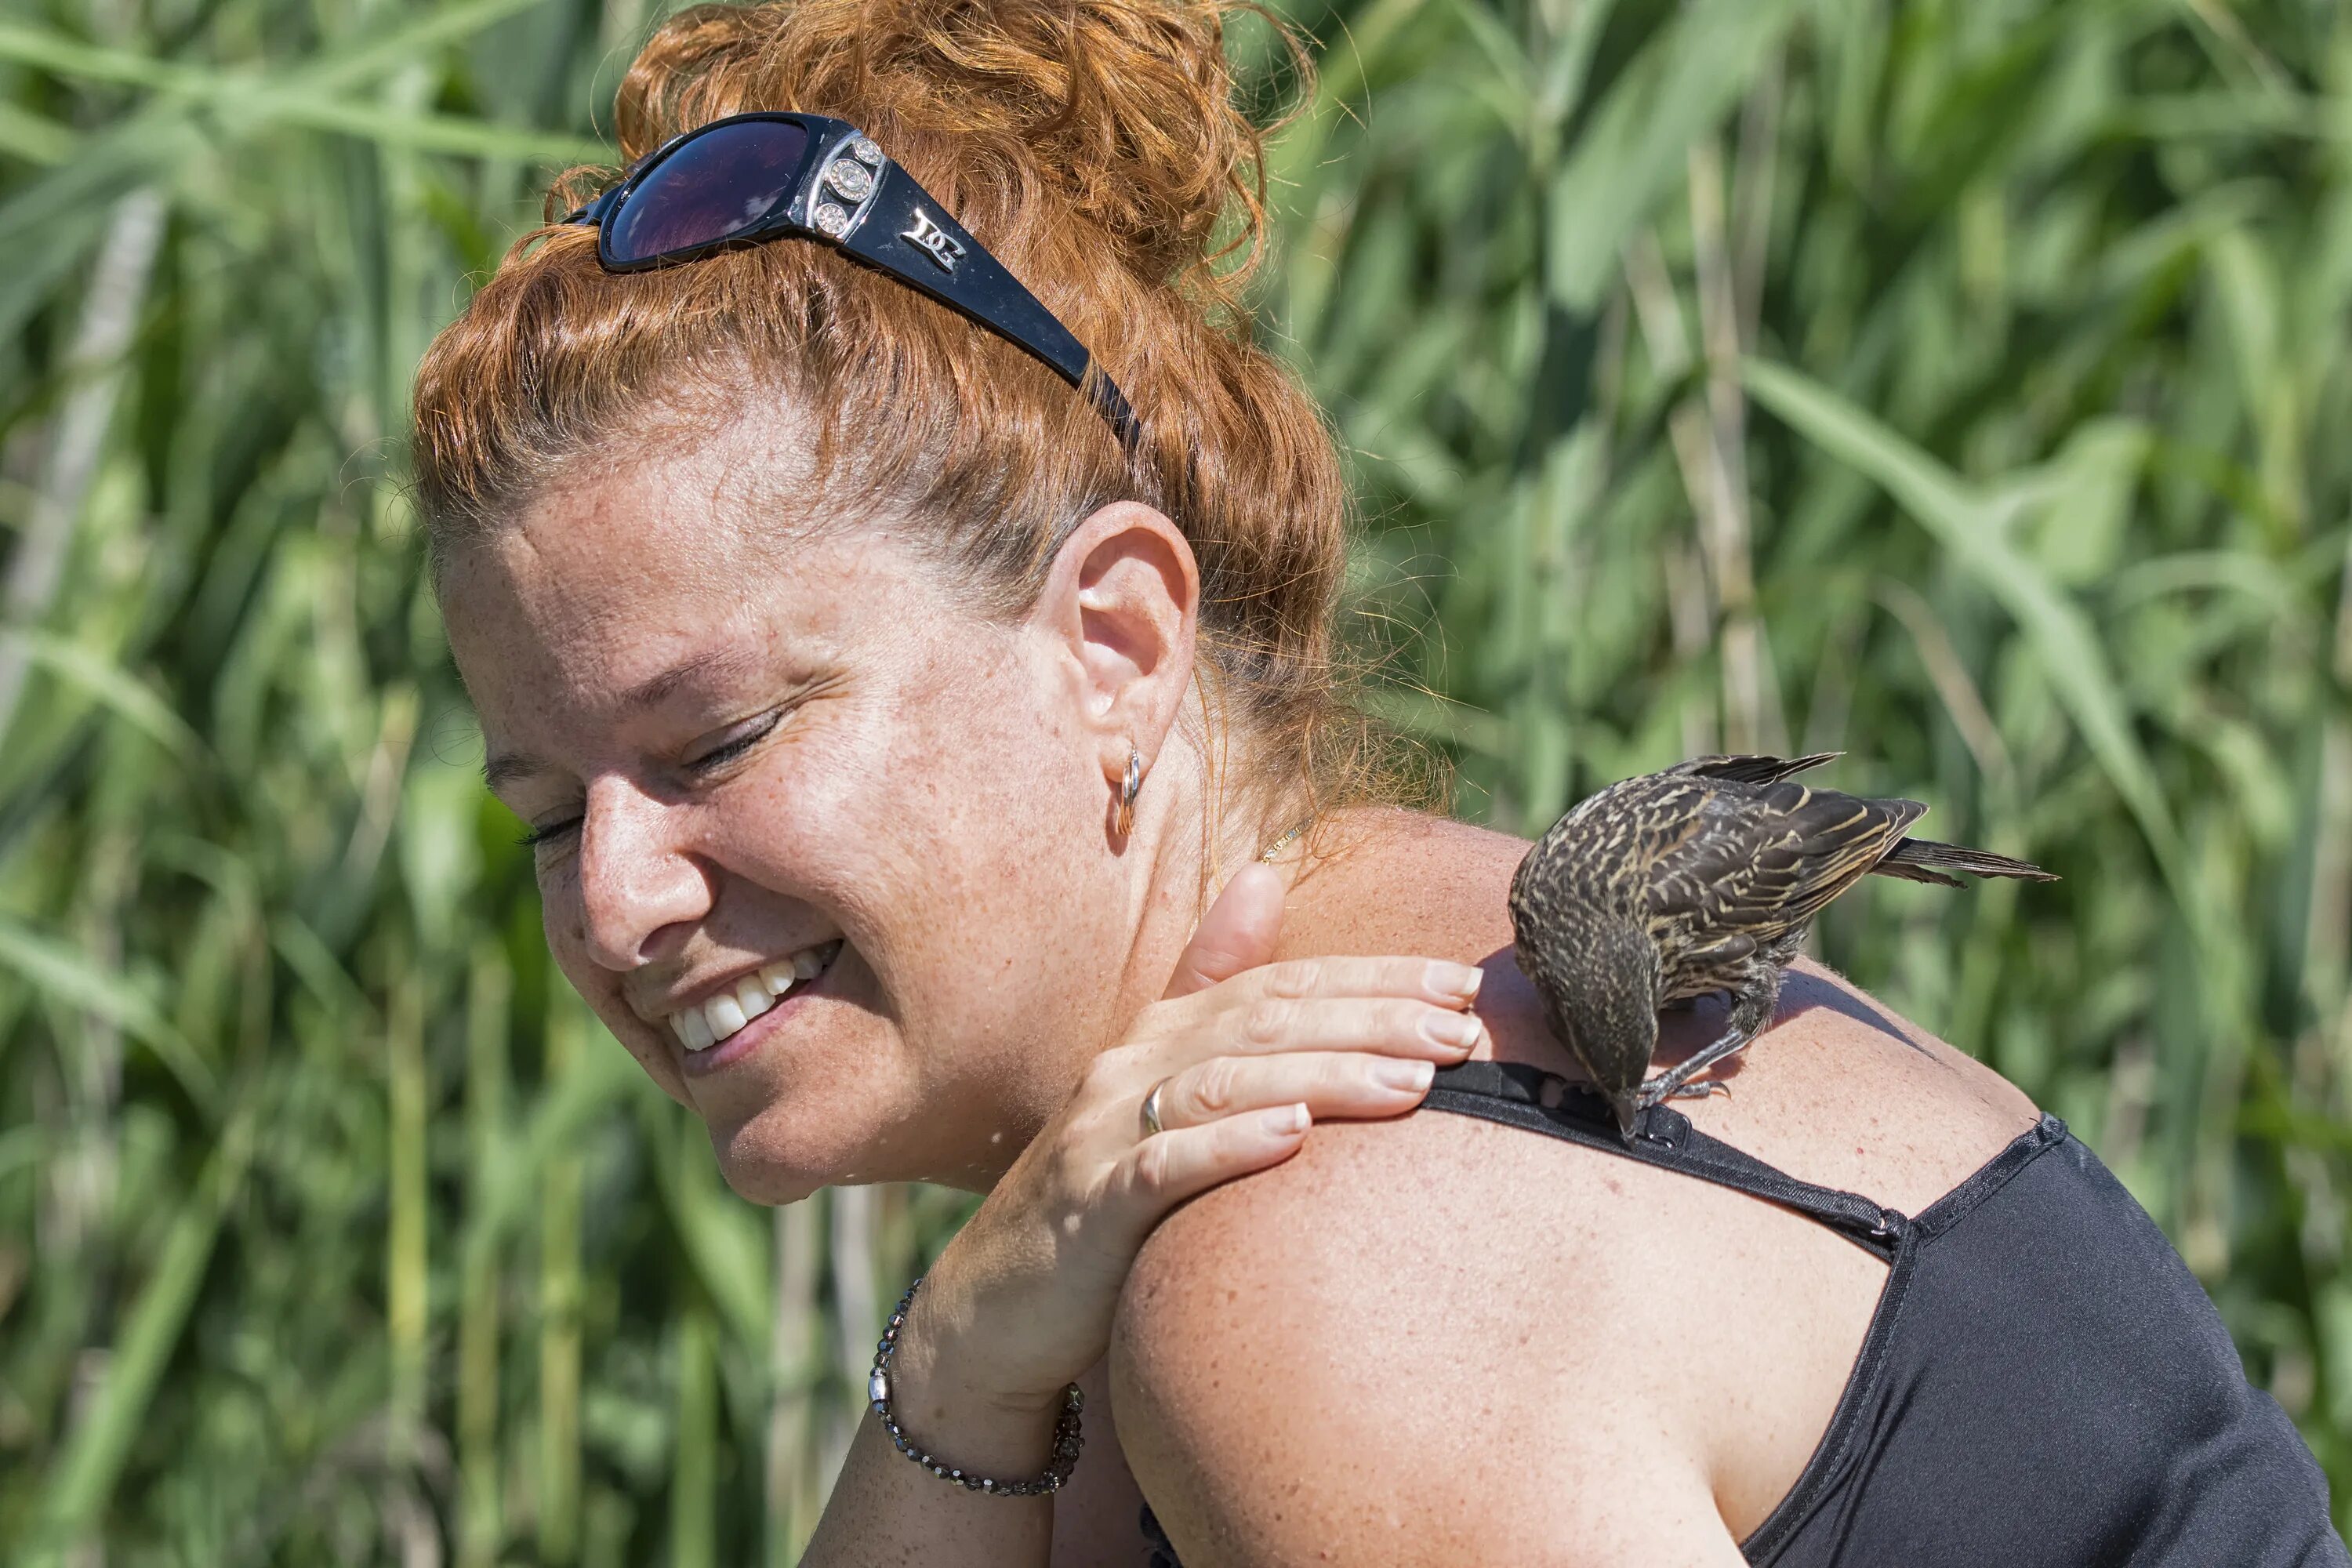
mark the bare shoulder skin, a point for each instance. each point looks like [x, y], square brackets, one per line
[1435, 1340]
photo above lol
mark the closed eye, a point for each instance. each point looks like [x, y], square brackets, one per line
[736, 747]
[716, 760]
[547, 832]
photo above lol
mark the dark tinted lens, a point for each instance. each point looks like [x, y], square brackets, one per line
[721, 184]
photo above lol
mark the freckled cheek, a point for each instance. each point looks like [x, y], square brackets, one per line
[560, 915]
[790, 833]
[873, 877]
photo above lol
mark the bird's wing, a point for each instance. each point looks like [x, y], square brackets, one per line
[1763, 862]
[1752, 769]
[1599, 801]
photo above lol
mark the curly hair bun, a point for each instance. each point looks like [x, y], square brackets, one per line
[1124, 110]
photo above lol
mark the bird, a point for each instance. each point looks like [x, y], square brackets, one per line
[1702, 878]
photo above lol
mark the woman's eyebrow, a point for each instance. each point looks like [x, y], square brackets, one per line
[720, 661]
[502, 768]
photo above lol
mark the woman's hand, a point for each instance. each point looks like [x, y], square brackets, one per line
[1247, 1053]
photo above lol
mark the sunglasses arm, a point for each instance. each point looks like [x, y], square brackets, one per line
[905, 233]
[594, 213]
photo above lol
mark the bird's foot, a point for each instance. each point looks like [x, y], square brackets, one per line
[1669, 1086]
[1657, 1091]
[1683, 1082]
[1679, 1084]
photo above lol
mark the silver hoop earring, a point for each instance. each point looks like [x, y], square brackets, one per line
[1128, 788]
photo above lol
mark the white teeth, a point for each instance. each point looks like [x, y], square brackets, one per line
[700, 1027]
[725, 1016]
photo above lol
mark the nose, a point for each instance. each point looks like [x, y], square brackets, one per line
[640, 889]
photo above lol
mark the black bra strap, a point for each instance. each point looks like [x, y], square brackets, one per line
[1515, 1094]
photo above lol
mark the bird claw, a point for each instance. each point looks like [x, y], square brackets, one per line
[1658, 1090]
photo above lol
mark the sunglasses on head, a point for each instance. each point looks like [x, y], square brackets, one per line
[754, 177]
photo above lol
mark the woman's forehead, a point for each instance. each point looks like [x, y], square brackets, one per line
[656, 585]
[691, 507]
[592, 573]
[601, 591]
[674, 529]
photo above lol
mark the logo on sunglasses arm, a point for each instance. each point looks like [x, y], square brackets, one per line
[934, 242]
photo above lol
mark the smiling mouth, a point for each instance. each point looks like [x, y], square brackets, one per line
[726, 1013]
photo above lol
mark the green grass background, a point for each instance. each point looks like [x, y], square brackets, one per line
[1959, 383]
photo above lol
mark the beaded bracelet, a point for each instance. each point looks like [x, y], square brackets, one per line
[1067, 1439]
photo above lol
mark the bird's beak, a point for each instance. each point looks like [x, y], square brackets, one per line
[1628, 1112]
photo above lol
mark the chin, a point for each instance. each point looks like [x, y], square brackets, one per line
[766, 1162]
[768, 1184]
[790, 1148]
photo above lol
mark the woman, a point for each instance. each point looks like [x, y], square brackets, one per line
[890, 683]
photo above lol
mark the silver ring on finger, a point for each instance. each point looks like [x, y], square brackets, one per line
[1152, 1110]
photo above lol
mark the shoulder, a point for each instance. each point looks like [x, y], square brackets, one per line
[1367, 1355]
[1390, 881]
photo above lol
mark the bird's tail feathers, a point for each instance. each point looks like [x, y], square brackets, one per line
[1748, 768]
[1925, 860]
[1891, 866]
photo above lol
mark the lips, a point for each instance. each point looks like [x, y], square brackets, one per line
[727, 1013]
[729, 1023]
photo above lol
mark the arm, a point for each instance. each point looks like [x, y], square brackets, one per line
[885, 1510]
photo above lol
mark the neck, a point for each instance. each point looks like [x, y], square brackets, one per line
[1200, 833]
[1177, 858]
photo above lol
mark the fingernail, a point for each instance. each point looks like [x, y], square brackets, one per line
[1454, 1031]
[1284, 1119]
[1455, 979]
[1405, 1074]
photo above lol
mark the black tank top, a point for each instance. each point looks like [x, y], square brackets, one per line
[2043, 1382]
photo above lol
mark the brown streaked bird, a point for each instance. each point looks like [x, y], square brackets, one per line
[1697, 880]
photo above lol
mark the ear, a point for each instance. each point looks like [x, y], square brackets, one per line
[1121, 603]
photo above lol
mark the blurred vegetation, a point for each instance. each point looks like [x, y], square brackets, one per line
[1959, 383]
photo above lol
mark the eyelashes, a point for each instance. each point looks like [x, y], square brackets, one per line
[532, 839]
[719, 756]
[712, 761]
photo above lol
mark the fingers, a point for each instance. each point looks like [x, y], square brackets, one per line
[1258, 1004]
[1233, 1115]
[1437, 980]
[1183, 1162]
[1394, 1026]
[1237, 933]
[1252, 1052]
[1330, 1084]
